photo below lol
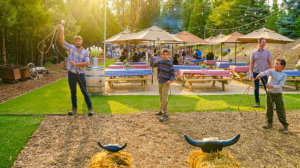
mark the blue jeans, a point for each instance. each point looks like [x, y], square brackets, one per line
[73, 79]
[264, 80]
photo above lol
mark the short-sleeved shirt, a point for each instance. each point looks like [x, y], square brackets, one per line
[260, 58]
[78, 56]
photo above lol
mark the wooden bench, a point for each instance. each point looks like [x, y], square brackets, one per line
[204, 78]
[239, 75]
[110, 81]
[295, 80]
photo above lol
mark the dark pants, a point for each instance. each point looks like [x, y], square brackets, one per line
[264, 80]
[276, 98]
[80, 79]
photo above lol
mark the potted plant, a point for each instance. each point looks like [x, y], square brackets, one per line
[94, 52]
[126, 64]
[297, 67]
[203, 66]
[187, 63]
[230, 60]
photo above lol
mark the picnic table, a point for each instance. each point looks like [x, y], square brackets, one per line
[134, 66]
[225, 65]
[178, 67]
[203, 75]
[211, 63]
[131, 63]
[240, 72]
[123, 75]
[293, 74]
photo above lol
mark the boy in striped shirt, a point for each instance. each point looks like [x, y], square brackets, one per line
[165, 75]
[276, 80]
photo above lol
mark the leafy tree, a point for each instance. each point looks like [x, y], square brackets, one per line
[7, 19]
[288, 23]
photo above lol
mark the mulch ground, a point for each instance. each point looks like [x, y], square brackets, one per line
[9, 91]
[71, 141]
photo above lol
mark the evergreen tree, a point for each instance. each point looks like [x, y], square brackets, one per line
[288, 21]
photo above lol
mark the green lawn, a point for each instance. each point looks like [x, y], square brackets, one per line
[15, 131]
[107, 63]
[55, 99]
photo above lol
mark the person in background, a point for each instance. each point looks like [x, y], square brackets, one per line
[260, 61]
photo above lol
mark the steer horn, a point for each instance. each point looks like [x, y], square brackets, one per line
[212, 144]
[112, 148]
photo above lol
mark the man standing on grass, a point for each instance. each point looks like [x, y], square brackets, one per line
[165, 75]
[78, 58]
[260, 61]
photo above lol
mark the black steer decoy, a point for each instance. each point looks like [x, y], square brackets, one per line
[213, 144]
[112, 148]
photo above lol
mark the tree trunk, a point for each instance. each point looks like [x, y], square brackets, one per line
[138, 10]
[31, 47]
[17, 49]
[153, 10]
[3, 47]
[42, 55]
[131, 16]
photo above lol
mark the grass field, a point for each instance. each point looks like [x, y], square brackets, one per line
[55, 99]
[107, 63]
[14, 132]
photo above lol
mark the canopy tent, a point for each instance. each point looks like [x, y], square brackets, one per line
[231, 38]
[296, 47]
[269, 35]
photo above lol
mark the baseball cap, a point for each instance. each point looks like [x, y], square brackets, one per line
[77, 37]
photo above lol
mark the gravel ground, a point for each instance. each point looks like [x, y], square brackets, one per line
[63, 141]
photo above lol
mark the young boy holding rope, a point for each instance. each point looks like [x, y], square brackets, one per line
[165, 75]
[276, 80]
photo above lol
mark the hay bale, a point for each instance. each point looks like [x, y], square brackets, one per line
[220, 159]
[111, 160]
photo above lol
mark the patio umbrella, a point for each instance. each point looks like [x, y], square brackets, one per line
[231, 38]
[296, 47]
[153, 33]
[189, 38]
[119, 38]
[269, 35]
[214, 40]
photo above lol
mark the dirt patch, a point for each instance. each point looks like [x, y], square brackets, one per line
[63, 141]
[9, 91]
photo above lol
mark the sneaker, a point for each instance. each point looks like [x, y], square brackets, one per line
[90, 111]
[164, 118]
[269, 126]
[74, 111]
[286, 130]
[257, 104]
[159, 113]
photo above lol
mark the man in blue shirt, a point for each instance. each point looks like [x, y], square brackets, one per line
[78, 58]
